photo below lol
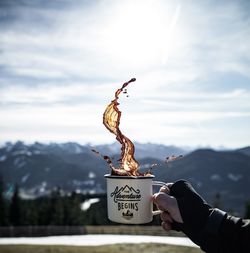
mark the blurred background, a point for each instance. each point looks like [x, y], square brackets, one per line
[61, 62]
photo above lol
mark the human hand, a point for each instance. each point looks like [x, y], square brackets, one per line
[183, 208]
[169, 207]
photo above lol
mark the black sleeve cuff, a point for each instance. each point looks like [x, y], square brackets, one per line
[214, 221]
[209, 236]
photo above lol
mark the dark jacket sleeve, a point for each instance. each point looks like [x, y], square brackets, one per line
[235, 235]
[212, 229]
[225, 234]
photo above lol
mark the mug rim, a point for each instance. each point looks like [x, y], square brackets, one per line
[128, 177]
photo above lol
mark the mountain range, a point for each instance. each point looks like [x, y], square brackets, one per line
[221, 177]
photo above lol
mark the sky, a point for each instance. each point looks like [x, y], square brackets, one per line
[61, 62]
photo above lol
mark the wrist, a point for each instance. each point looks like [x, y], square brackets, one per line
[214, 221]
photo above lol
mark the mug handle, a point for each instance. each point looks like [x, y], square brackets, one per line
[158, 183]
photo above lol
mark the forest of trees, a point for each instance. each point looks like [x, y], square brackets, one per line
[57, 209]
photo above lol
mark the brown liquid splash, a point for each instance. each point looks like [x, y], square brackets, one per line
[128, 166]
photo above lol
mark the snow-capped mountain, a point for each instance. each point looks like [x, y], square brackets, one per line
[158, 151]
[220, 176]
[37, 168]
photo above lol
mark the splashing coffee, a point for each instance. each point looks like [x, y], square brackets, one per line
[128, 166]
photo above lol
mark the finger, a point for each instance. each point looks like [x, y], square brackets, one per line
[165, 216]
[169, 185]
[165, 189]
[163, 201]
[166, 225]
[152, 198]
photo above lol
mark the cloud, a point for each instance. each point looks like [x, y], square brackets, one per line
[191, 61]
[90, 40]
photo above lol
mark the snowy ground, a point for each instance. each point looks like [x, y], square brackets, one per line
[95, 240]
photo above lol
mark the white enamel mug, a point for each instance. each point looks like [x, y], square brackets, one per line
[129, 199]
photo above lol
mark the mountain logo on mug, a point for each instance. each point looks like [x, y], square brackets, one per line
[128, 215]
[126, 193]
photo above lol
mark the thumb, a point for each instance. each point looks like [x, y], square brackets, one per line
[163, 201]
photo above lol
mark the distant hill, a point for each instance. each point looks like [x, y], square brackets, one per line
[38, 168]
[158, 151]
[220, 176]
[245, 150]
